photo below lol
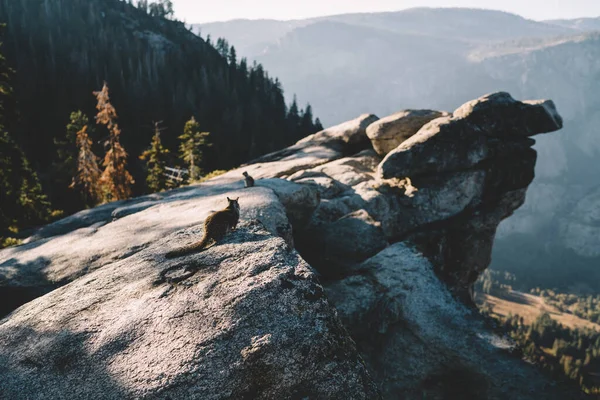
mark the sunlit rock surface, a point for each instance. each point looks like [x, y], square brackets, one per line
[397, 244]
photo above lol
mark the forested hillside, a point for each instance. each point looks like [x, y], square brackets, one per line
[157, 70]
[21, 199]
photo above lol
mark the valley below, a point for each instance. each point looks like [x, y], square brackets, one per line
[530, 307]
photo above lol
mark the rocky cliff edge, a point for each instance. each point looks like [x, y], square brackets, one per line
[348, 277]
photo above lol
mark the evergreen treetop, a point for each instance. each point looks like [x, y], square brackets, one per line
[194, 142]
[156, 158]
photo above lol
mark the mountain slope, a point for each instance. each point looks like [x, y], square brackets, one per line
[582, 24]
[379, 49]
[156, 70]
[341, 67]
[474, 25]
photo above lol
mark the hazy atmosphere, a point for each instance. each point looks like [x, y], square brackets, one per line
[194, 11]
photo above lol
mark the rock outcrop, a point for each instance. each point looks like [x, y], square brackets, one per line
[396, 243]
[387, 133]
[477, 131]
[352, 133]
[408, 326]
[246, 320]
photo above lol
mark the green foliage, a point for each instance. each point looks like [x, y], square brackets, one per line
[564, 352]
[193, 145]
[65, 167]
[22, 202]
[495, 283]
[318, 125]
[586, 307]
[8, 242]
[161, 9]
[156, 158]
[212, 174]
[300, 122]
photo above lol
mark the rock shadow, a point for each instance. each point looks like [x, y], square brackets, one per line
[27, 282]
[56, 364]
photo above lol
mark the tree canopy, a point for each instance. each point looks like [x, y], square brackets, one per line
[156, 70]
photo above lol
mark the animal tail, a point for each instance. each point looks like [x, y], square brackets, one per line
[189, 249]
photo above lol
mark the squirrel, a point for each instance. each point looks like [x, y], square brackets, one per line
[248, 180]
[216, 226]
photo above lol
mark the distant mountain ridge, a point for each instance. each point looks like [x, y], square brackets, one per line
[489, 25]
[290, 50]
[583, 24]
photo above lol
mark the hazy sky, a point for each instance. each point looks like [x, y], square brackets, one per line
[196, 11]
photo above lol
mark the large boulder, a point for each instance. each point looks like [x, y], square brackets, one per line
[286, 162]
[245, 319]
[470, 136]
[327, 187]
[32, 269]
[438, 199]
[387, 133]
[331, 210]
[351, 170]
[460, 246]
[345, 242]
[299, 200]
[352, 133]
[420, 342]
[498, 114]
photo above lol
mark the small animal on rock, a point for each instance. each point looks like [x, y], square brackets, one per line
[216, 226]
[248, 180]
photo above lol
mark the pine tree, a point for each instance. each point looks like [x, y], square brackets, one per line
[66, 148]
[156, 160]
[161, 8]
[318, 125]
[222, 47]
[293, 118]
[232, 57]
[115, 178]
[66, 165]
[87, 178]
[306, 122]
[194, 142]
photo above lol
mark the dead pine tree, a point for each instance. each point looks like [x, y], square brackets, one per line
[88, 173]
[115, 179]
